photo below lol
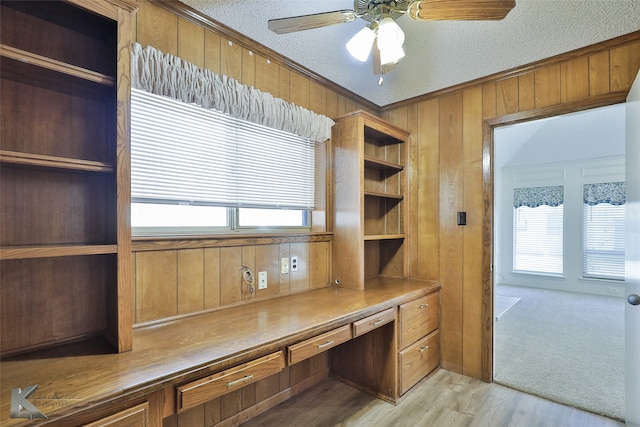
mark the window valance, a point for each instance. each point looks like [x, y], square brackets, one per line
[538, 196]
[606, 192]
[168, 75]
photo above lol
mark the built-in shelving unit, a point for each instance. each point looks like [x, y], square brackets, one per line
[64, 164]
[370, 182]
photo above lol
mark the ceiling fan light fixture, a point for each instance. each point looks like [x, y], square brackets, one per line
[360, 45]
[391, 56]
[390, 35]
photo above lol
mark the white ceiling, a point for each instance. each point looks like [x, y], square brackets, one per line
[438, 54]
[590, 134]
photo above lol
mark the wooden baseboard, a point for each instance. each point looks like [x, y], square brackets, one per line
[276, 399]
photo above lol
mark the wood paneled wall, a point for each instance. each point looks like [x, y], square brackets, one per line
[450, 171]
[182, 281]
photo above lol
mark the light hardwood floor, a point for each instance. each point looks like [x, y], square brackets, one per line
[444, 399]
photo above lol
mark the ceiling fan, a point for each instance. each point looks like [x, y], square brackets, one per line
[383, 35]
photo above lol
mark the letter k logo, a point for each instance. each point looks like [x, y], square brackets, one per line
[21, 407]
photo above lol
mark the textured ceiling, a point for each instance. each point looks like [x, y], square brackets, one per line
[438, 54]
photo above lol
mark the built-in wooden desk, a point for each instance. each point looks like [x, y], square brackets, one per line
[80, 384]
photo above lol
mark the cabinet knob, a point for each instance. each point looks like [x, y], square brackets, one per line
[423, 306]
[422, 349]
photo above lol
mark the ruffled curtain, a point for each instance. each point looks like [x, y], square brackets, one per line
[606, 192]
[168, 75]
[538, 196]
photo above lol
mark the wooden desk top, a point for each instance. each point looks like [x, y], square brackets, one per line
[77, 377]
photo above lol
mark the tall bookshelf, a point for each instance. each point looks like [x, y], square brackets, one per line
[65, 239]
[370, 182]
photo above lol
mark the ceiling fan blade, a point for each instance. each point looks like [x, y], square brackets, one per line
[307, 22]
[460, 10]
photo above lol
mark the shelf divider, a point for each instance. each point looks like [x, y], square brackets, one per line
[52, 251]
[385, 195]
[55, 65]
[381, 164]
[29, 159]
[384, 236]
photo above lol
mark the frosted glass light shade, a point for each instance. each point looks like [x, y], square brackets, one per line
[391, 56]
[360, 45]
[390, 35]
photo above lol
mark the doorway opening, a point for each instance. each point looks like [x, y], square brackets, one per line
[558, 299]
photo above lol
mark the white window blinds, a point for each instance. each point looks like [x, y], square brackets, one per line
[182, 153]
[603, 252]
[538, 230]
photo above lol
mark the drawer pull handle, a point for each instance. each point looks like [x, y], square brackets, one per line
[240, 381]
[378, 322]
[423, 306]
[328, 343]
[426, 347]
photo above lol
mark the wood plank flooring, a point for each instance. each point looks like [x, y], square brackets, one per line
[444, 399]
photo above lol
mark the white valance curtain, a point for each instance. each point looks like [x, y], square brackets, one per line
[168, 75]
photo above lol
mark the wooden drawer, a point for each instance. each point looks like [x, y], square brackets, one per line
[318, 344]
[418, 360]
[205, 389]
[370, 323]
[418, 318]
[137, 416]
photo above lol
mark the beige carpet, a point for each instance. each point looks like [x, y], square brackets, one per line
[565, 347]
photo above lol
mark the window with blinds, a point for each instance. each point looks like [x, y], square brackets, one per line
[538, 230]
[200, 168]
[603, 248]
[538, 239]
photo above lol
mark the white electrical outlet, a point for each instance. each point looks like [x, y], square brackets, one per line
[262, 280]
[294, 263]
[284, 265]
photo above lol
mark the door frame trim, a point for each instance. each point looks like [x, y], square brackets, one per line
[487, 197]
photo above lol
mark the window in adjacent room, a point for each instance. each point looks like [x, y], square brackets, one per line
[538, 230]
[603, 249]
